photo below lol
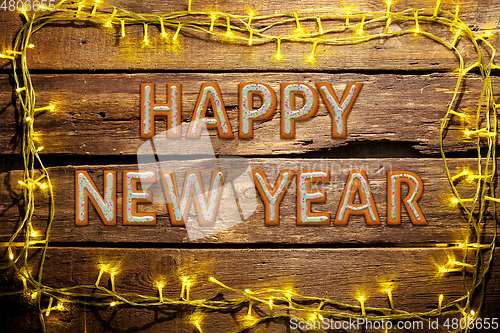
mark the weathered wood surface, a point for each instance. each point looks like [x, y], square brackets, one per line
[446, 222]
[99, 114]
[71, 47]
[339, 274]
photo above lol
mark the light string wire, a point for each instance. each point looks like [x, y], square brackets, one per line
[281, 303]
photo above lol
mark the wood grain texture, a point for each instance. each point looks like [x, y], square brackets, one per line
[99, 114]
[446, 223]
[80, 47]
[338, 274]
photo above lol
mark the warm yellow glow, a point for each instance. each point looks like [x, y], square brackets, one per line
[251, 13]
[212, 279]
[441, 297]
[49, 107]
[6, 57]
[112, 304]
[465, 173]
[468, 133]
[228, 23]
[11, 255]
[101, 271]
[33, 234]
[311, 56]
[146, 40]
[177, 32]
[122, 22]
[361, 300]
[247, 291]
[458, 263]
[160, 291]
[417, 26]
[278, 55]
[459, 114]
[213, 17]
[60, 306]
[20, 89]
[472, 312]
[49, 307]
[34, 295]
[488, 34]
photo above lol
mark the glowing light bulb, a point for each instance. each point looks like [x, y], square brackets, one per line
[251, 12]
[213, 17]
[160, 291]
[472, 312]
[361, 300]
[122, 23]
[177, 32]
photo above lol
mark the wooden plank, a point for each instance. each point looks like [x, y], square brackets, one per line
[338, 274]
[446, 222]
[69, 47]
[99, 114]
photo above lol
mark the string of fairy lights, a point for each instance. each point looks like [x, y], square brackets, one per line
[240, 29]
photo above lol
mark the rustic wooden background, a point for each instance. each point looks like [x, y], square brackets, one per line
[93, 77]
